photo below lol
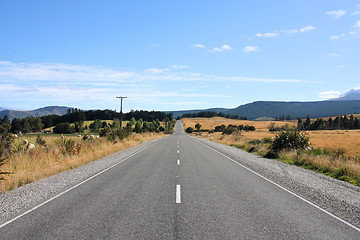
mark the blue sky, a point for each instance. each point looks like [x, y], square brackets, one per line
[173, 55]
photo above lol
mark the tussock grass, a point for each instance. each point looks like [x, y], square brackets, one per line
[334, 153]
[31, 165]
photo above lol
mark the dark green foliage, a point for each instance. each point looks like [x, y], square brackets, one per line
[340, 122]
[189, 130]
[289, 139]
[6, 141]
[95, 126]
[104, 132]
[230, 130]
[124, 132]
[198, 126]
[220, 128]
[210, 114]
[64, 128]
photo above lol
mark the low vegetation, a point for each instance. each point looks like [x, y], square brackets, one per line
[334, 153]
[25, 158]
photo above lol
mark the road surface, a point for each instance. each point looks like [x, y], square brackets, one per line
[177, 188]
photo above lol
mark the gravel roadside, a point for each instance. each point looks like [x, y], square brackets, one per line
[339, 198]
[19, 200]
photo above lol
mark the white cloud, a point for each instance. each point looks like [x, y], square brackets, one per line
[304, 29]
[329, 94]
[156, 70]
[179, 66]
[353, 33]
[198, 45]
[267, 35]
[337, 37]
[308, 28]
[355, 13]
[336, 14]
[251, 49]
[357, 24]
[222, 48]
[27, 85]
[333, 55]
[340, 66]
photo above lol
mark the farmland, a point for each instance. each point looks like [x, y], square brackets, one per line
[346, 141]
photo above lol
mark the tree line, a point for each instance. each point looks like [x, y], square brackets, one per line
[73, 120]
[210, 114]
[338, 123]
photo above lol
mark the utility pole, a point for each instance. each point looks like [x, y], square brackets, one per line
[121, 113]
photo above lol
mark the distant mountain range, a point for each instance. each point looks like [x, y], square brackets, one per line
[35, 113]
[272, 109]
[349, 103]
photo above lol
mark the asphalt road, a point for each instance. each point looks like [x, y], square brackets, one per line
[177, 188]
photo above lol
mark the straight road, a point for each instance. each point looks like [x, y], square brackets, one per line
[178, 188]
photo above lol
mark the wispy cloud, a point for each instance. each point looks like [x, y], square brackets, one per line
[329, 94]
[156, 70]
[333, 55]
[180, 66]
[198, 45]
[357, 24]
[251, 49]
[337, 37]
[340, 66]
[287, 31]
[336, 14]
[267, 35]
[301, 30]
[222, 48]
[65, 84]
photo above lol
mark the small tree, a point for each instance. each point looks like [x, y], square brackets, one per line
[198, 126]
[189, 130]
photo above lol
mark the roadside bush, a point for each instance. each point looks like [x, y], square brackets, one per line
[124, 132]
[230, 130]
[189, 130]
[66, 146]
[6, 140]
[104, 132]
[219, 128]
[289, 139]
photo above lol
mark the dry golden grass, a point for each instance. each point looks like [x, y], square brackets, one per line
[346, 141]
[29, 166]
[344, 166]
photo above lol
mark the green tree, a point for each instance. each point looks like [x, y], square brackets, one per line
[64, 128]
[96, 125]
[132, 121]
[198, 126]
[116, 123]
[189, 130]
[307, 122]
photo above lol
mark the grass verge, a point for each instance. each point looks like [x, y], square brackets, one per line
[329, 162]
[59, 155]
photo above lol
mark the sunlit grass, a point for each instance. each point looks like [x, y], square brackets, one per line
[31, 165]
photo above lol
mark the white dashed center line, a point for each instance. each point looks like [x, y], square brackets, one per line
[178, 194]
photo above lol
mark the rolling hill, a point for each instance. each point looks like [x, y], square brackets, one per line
[35, 113]
[275, 109]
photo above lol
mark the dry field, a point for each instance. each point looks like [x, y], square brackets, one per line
[345, 141]
[31, 165]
